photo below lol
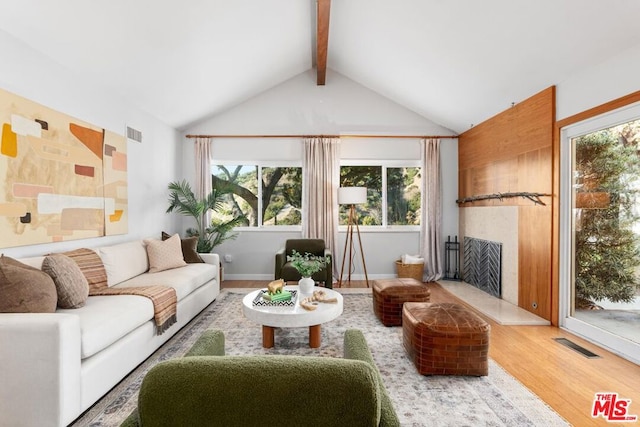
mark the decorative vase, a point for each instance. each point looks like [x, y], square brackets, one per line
[305, 285]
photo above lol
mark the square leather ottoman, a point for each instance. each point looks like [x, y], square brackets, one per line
[445, 339]
[390, 294]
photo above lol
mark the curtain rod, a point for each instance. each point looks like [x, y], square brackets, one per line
[325, 136]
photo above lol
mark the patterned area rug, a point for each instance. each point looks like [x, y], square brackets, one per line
[495, 400]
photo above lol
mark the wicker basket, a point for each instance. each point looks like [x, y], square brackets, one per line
[413, 271]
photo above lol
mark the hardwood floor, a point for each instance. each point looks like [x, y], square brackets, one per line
[566, 380]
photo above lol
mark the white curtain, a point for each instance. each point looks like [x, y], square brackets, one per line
[203, 159]
[321, 168]
[431, 207]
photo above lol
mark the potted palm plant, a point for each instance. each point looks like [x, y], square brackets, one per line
[184, 201]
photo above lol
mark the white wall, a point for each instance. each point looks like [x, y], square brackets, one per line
[608, 80]
[342, 106]
[151, 165]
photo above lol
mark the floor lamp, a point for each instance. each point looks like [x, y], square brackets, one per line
[352, 196]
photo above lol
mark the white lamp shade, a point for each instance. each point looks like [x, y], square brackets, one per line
[352, 195]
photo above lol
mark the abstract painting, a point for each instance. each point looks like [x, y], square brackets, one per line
[60, 178]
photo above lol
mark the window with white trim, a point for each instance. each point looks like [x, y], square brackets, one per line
[276, 202]
[393, 192]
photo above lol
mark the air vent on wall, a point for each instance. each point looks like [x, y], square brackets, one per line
[134, 134]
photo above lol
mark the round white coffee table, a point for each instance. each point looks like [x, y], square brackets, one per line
[271, 317]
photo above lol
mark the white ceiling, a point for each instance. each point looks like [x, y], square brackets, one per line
[456, 62]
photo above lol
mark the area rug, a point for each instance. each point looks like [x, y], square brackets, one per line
[495, 400]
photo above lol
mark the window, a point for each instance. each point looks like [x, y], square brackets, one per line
[363, 176]
[393, 194]
[270, 195]
[282, 193]
[600, 229]
[403, 196]
[276, 202]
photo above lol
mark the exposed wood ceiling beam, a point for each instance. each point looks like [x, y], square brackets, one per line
[322, 39]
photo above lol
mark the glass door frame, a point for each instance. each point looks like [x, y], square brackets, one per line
[622, 346]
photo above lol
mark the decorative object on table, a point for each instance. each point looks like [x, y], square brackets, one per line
[183, 200]
[307, 265]
[278, 296]
[410, 266]
[352, 196]
[260, 299]
[306, 285]
[275, 292]
[275, 286]
[309, 303]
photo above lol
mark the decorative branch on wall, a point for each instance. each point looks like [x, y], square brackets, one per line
[534, 197]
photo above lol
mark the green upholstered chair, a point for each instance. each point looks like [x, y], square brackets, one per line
[284, 270]
[209, 389]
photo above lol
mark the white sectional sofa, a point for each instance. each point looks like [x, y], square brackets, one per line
[55, 366]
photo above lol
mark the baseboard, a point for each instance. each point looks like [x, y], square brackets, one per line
[228, 276]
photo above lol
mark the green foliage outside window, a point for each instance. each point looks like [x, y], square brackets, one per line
[363, 176]
[281, 193]
[403, 196]
[282, 196]
[279, 200]
[607, 251]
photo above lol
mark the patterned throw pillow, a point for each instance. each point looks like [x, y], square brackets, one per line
[25, 289]
[189, 248]
[164, 255]
[72, 286]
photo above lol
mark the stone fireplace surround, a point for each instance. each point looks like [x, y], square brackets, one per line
[498, 224]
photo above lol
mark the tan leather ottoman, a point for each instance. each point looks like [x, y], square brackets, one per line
[390, 294]
[445, 339]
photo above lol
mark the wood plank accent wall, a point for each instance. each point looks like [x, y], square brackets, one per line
[512, 152]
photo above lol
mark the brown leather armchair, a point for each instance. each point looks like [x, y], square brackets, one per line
[284, 270]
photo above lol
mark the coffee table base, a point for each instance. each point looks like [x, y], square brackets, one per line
[315, 334]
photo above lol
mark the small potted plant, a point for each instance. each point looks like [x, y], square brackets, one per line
[307, 265]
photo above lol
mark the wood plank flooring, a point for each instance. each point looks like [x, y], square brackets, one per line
[566, 380]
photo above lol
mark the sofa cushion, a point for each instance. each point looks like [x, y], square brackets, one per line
[25, 289]
[124, 261]
[106, 319]
[189, 248]
[164, 254]
[184, 279]
[35, 262]
[71, 285]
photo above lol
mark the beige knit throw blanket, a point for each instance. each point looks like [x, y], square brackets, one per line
[164, 298]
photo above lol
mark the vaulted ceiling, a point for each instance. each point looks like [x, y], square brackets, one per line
[456, 62]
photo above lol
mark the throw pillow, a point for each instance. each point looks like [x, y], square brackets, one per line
[164, 254]
[25, 289]
[72, 286]
[91, 266]
[189, 248]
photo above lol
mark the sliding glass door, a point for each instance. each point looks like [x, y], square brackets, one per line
[600, 230]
